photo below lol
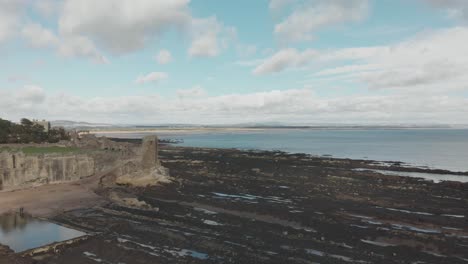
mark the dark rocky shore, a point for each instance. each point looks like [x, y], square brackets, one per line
[231, 206]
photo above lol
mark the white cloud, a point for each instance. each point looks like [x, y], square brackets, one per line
[246, 50]
[31, 94]
[122, 26]
[249, 63]
[22, 101]
[295, 105]
[194, 92]
[18, 78]
[164, 57]
[311, 16]
[284, 59]
[10, 18]
[79, 46]
[151, 77]
[429, 61]
[279, 4]
[69, 46]
[347, 69]
[209, 37]
[455, 8]
[47, 8]
[88, 28]
[40, 37]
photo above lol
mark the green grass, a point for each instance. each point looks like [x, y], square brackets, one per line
[47, 150]
[41, 150]
[5, 149]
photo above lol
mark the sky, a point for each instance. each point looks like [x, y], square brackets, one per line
[230, 62]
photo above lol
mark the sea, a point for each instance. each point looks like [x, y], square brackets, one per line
[430, 148]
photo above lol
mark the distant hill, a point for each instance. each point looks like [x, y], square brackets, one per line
[77, 124]
[67, 124]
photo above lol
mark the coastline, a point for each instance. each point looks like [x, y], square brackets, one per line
[414, 147]
[297, 207]
[208, 129]
[172, 130]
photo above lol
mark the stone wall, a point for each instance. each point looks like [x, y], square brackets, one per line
[18, 169]
[145, 172]
[150, 158]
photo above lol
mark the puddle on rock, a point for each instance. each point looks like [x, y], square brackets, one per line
[23, 232]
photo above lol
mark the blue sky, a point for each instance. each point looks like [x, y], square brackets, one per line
[211, 61]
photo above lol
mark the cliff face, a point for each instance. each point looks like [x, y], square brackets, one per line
[18, 169]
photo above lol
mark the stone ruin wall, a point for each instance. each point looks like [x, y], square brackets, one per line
[18, 169]
[150, 149]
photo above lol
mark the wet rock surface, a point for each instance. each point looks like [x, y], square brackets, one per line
[230, 206]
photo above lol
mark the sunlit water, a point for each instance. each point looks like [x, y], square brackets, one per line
[22, 233]
[435, 148]
[435, 177]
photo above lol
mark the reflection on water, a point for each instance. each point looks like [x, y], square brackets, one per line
[22, 232]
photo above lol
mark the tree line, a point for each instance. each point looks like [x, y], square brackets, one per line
[28, 132]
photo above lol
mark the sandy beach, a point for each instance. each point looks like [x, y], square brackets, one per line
[163, 131]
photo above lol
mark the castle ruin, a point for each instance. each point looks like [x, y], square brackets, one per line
[150, 158]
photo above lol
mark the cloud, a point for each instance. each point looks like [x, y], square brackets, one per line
[246, 50]
[284, 59]
[10, 18]
[288, 106]
[23, 101]
[164, 57]
[455, 8]
[151, 77]
[311, 16]
[122, 26]
[47, 8]
[79, 46]
[69, 46]
[340, 70]
[428, 61]
[31, 94]
[209, 37]
[279, 4]
[86, 28]
[133, 24]
[18, 78]
[40, 37]
[194, 92]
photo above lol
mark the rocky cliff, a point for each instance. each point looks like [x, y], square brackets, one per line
[18, 169]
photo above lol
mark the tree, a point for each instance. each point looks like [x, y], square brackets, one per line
[26, 122]
[27, 132]
[5, 130]
[38, 135]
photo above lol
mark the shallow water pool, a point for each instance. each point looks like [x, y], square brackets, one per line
[23, 232]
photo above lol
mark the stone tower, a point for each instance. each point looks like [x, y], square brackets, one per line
[150, 157]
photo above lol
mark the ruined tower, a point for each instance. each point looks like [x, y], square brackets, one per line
[150, 173]
[150, 152]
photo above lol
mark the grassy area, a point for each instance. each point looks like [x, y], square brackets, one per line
[5, 149]
[34, 150]
[46, 150]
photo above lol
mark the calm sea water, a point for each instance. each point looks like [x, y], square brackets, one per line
[435, 148]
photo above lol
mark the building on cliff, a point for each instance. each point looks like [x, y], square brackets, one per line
[43, 123]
